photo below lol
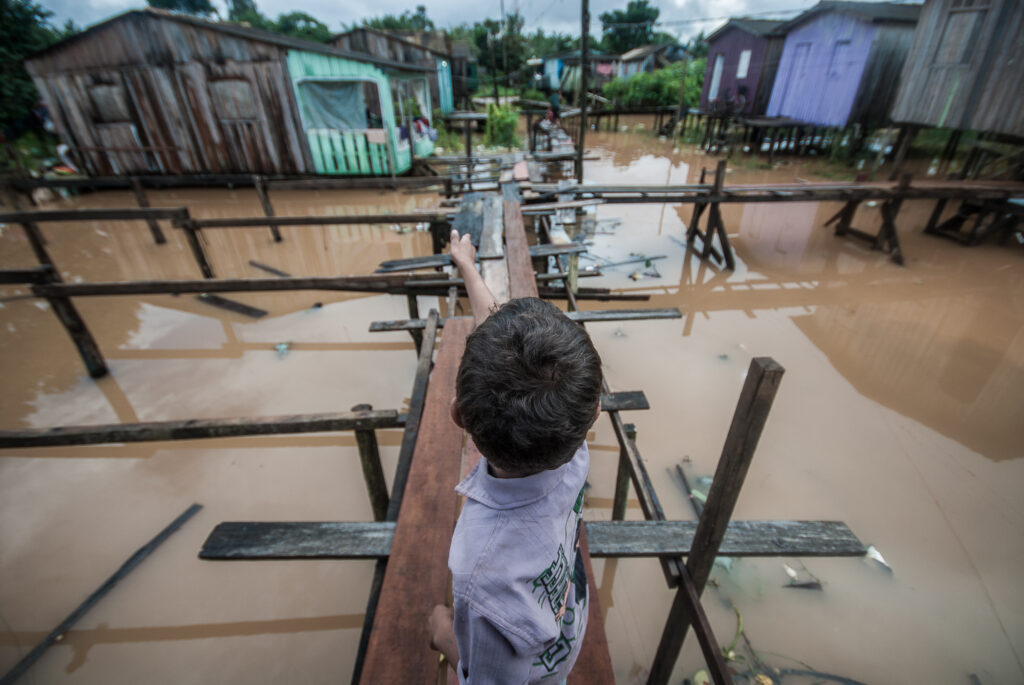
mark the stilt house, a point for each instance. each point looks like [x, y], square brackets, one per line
[150, 92]
[743, 56]
[965, 70]
[841, 63]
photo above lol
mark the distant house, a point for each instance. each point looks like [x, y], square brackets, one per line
[649, 58]
[841, 63]
[743, 56]
[965, 70]
[425, 49]
[562, 70]
[150, 92]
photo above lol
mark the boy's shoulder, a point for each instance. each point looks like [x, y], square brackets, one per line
[513, 549]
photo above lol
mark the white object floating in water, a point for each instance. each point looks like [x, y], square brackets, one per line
[282, 348]
[790, 572]
[877, 557]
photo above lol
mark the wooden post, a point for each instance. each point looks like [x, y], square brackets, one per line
[268, 209]
[622, 478]
[584, 45]
[373, 473]
[469, 153]
[143, 201]
[88, 350]
[38, 245]
[762, 382]
[414, 313]
[574, 266]
[907, 134]
[192, 234]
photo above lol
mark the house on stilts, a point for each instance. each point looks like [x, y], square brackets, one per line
[743, 56]
[841, 63]
[151, 92]
[965, 73]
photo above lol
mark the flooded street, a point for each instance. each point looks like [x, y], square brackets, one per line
[900, 413]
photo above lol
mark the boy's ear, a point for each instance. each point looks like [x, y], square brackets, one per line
[453, 409]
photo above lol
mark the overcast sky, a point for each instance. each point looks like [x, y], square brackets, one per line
[551, 15]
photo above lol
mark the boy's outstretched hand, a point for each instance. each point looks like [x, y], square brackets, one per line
[463, 253]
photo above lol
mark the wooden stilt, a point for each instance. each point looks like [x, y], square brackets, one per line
[373, 473]
[414, 313]
[192, 234]
[622, 478]
[143, 202]
[762, 382]
[268, 209]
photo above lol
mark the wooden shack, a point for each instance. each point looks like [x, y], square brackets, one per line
[150, 92]
[648, 58]
[965, 69]
[743, 56]
[841, 63]
[394, 48]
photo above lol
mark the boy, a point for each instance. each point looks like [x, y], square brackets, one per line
[528, 390]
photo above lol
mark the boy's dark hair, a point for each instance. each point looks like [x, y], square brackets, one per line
[528, 386]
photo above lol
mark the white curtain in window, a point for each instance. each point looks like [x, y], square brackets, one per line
[744, 66]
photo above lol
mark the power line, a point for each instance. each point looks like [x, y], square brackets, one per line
[673, 22]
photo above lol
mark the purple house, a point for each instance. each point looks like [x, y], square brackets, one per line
[841, 63]
[743, 56]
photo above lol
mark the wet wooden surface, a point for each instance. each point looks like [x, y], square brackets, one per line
[417, 571]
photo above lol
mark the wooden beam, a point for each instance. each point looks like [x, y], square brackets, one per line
[37, 274]
[198, 429]
[624, 401]
[126, 214]
[417, 572]
[368, 283]
[608, 539]
[759, 388]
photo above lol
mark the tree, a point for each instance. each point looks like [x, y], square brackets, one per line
[302, 25]
[24, 29]
[698, 46]
[407, 21]
[202, 8]
[623, 30]
[238, 10]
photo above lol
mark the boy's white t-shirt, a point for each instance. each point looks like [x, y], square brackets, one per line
[519, 585]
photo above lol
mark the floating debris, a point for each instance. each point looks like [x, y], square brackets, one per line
[795, 581]
[877, 557]
[282, 349]
[636, 275]
[619, 333]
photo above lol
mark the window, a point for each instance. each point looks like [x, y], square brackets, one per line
[959, 37]
[233, 100]
[340, 105]
[842, 59]
[744, 66]
[109, 104]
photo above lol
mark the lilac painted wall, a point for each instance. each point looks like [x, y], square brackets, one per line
[730, 44]
[820, 70]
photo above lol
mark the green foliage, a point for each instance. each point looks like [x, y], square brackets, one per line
[623, 30]
[202, 8]
[697, 47]
[404, 22]
[534, 94]
[24, 29]
[447, 139]
[295, 24]
[659, 87]
[542, 44]
[305, 26]
[500, 130]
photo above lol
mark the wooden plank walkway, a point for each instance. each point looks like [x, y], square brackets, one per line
[417, 572]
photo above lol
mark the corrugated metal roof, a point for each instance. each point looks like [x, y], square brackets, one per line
[757, 27]
[643, 51]
[238, 31]
[390, 35]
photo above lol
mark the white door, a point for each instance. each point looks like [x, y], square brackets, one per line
[716, 77]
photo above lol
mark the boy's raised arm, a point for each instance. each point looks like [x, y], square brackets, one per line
[481, 299]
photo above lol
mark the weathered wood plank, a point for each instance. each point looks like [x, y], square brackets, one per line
[469, 219]
[493, 268]
[39, 274]
[299, 540]
[417, 572]
[520, 268]
[126, 214]
[432, 261]
[629, 400]
[608, 539]
[199, 429]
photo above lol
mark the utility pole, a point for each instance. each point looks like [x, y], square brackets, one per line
[584, 71]
[504, 42]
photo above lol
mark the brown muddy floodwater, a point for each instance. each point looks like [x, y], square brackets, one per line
[900, 413]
